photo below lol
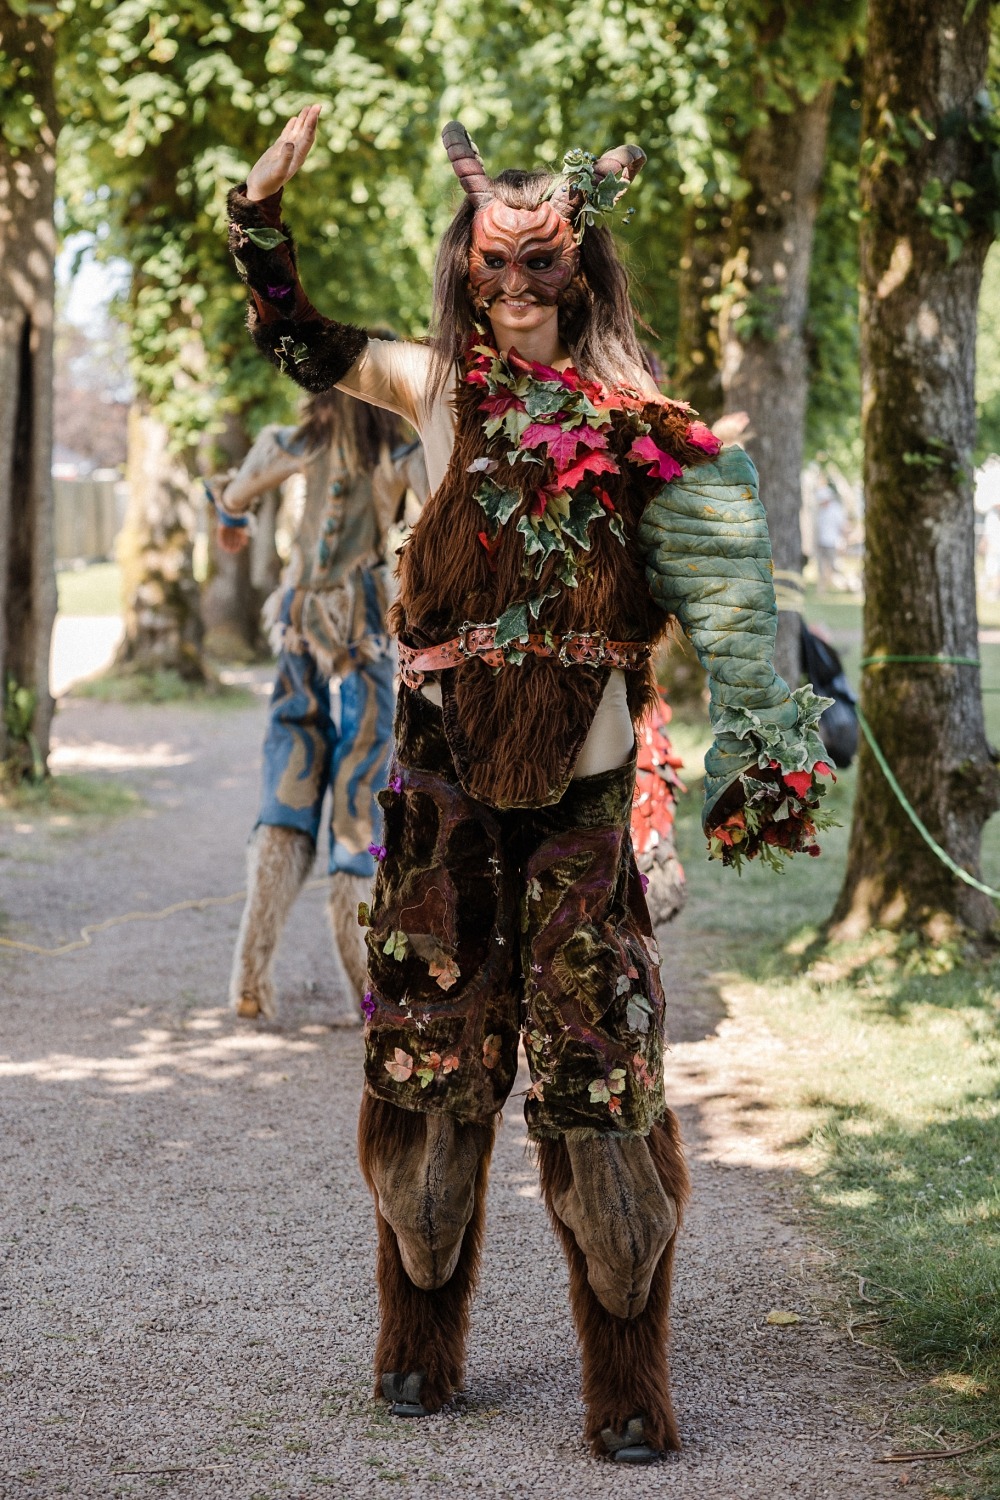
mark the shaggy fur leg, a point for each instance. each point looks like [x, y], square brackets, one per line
[346, 891]
[422, 1330]
[278, 862]
[625, 1372]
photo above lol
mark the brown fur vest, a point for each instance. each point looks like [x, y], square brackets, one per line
[515, 733]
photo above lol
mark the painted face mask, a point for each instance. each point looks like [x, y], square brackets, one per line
[533, 252]
[521, 252]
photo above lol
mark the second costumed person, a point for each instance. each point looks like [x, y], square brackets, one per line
[574, 512]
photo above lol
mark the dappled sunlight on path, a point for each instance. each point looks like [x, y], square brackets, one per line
[187, 1246]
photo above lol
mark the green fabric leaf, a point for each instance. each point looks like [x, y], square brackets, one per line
[266, 239]
[545, 399]
[512, 625]
[498, 503]
[582, 510]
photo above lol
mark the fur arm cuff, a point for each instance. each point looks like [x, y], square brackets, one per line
[315, 351]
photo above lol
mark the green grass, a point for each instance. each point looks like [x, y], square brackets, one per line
[65, 801]
[886, 1082]
[94, 590]
[161, 687]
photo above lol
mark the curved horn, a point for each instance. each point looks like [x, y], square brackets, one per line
[624, 161]
[467, 162]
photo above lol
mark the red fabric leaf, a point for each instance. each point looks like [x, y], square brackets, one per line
[663, 466]
[569, 378]
[822, 769]
[798, 781]
[590, 463]
[500, 404]
[562, 444]
[538, 433]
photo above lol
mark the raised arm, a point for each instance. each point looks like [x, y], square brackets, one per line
[315, 351]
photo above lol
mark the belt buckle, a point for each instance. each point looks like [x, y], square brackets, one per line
[463, 631]
[593, 652]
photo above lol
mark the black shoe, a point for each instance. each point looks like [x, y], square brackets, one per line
[403, 1392]
[629, 1447]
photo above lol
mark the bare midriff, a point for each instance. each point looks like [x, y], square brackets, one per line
[398, 376]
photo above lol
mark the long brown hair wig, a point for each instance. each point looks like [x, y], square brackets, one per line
[596, 317]
[365, 434]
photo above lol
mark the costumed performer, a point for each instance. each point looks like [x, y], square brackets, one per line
[330, 721]
[573, 513]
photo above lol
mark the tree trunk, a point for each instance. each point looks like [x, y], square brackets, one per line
[762, 328]
[163, 630]
[698, 375]
[27, 258]
[923, 64]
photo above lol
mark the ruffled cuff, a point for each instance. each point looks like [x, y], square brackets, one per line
[777, 763]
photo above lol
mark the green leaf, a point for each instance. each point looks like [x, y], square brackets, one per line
[545, 399]
[582, 510]
[266, 239]
[498, 503]
[512, 625]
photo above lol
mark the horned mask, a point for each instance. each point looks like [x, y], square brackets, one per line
[530, 251]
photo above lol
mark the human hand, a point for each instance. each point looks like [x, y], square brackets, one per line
[232, 538]
[281, 161]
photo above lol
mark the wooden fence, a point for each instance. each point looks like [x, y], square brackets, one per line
[88, 517]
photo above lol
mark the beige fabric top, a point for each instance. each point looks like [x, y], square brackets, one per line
[397, 375]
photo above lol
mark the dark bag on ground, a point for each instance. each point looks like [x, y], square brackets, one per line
[838, 728]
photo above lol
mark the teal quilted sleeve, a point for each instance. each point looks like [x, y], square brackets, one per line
[708, 561]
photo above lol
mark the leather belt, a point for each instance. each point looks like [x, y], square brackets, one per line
[586, 648]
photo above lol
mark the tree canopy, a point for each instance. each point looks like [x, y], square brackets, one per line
[167, 104]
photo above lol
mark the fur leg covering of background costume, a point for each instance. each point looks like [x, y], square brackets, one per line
[427, 1174]
[346, 891]
[625, 1370]
[278, 862]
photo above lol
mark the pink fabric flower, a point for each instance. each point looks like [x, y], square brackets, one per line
[704, 438]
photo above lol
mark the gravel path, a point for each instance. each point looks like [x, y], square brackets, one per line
[186, 1293]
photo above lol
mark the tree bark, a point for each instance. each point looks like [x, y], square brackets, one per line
[232, 597]
[27, 260]
[698, 376]
[163, 630]
[923, 64]
[764, 368]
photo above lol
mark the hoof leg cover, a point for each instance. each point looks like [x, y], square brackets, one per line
[630, 1446]
[403, 1394]
[620, 1216]
[426, 1191]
